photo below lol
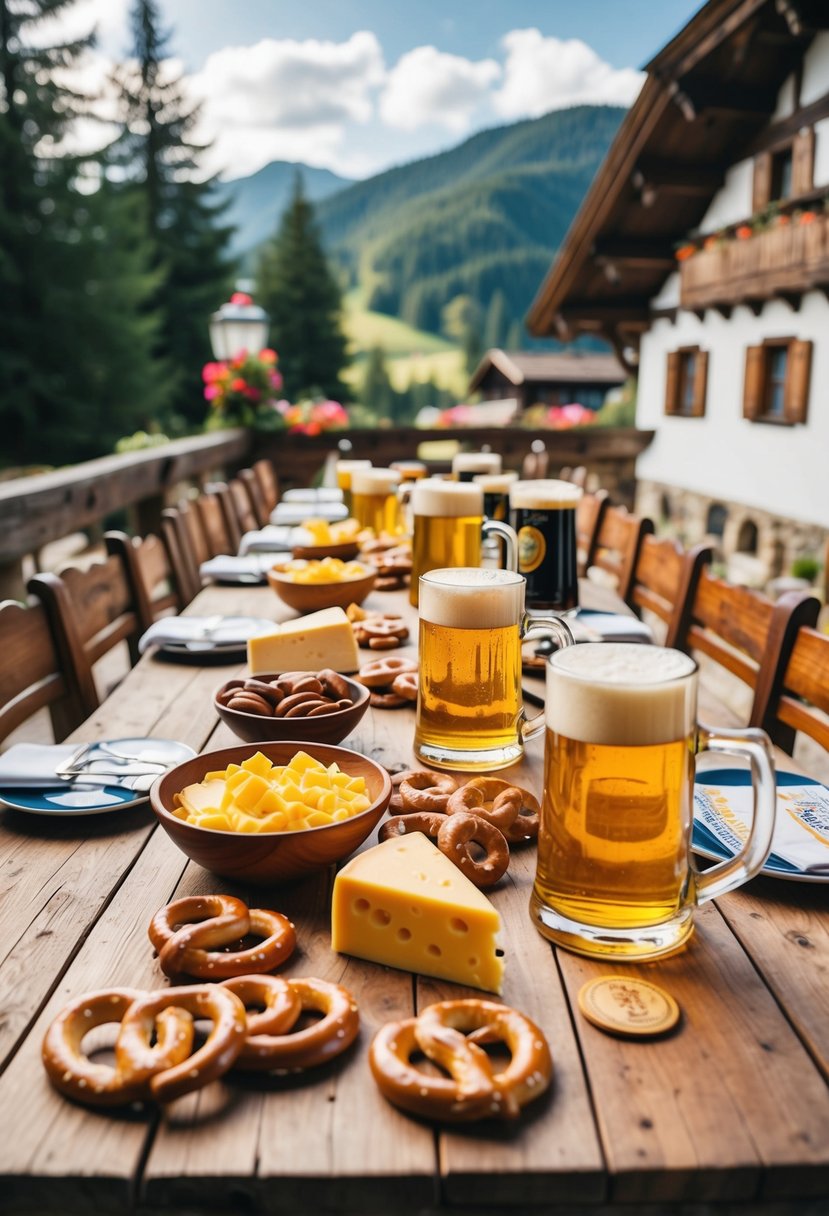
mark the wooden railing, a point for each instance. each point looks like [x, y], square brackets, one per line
[782, 261]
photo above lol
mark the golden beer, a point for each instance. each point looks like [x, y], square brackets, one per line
[374, 502]
[447, 519]
[344, 470]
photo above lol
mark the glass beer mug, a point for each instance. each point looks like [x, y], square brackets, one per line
[614, 877]
[466, 464]
[470, 705]
[544, 517]
[374, 500]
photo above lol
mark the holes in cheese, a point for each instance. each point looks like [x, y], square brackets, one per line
[404, 904]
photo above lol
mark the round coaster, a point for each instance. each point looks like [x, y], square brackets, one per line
[622, 1004]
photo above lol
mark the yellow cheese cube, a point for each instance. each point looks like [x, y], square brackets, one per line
[250, 791]
[259, 764]
[404, 904]
[202, 795]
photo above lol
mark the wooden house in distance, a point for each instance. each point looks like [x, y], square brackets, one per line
[533, 378]
[701, 253]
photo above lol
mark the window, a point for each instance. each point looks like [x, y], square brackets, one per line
[786, 171]
[686, 382]
[776, 387]
[781, 173]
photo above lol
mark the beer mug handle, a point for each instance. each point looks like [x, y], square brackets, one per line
[509, 538]
[755, 745]
[560, 630]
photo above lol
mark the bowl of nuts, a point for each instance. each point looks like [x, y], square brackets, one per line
[308, 586]
[317, 706]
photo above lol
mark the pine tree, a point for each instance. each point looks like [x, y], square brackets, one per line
[74, 351]
[160, 162]
[516, 337]
[377, 392]
[495, 325]
[298, 290]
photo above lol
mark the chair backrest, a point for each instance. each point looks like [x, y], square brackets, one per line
[589, 512]
[182, 527]
[746, 633]
[578, 476]
[214, 522]
[150, 573]
[178, 550]
[256, 497]
[268, 484]
[616, 546]
[41, 674]
[241, 511]
[800, 701]
[665, 582]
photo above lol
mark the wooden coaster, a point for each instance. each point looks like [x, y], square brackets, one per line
[626, 1005]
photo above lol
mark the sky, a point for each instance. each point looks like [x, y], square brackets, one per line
[356, 86]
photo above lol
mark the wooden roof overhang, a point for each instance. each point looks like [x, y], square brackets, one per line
[530, 367]
[706, 100]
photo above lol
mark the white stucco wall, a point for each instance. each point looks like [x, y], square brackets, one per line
[781, 469]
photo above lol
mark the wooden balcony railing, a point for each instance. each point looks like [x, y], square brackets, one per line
[782, 261]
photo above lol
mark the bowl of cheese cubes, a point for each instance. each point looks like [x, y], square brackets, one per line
[272, 811]
[309, 585]
[317, 538]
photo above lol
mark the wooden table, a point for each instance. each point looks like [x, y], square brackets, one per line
[731, 1109]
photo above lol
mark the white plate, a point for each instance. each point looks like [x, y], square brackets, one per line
[193, 648]
[707, 844]
[78, 798]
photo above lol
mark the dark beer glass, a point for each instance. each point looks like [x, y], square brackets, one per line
[544, 518]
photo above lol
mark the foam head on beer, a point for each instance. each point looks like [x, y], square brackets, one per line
[543, 495]
[495, 483]
[620, 694]
[467, 463]
[472, 598]
[374, 481]
[447, 499]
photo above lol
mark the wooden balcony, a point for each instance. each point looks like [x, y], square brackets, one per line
[782, 262]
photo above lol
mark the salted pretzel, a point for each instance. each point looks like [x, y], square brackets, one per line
[525, 825]
[490, 798]
[405, 685]
[162, 1069]
[280, 1048]
[381, 672]
[450, 1034]
[421, 790]
[457, 832]
[195, 949]
[417, 821]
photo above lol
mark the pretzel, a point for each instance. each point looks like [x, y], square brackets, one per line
[384, 626]
[458, 831]
[386, 700]
[279, 1049]
[380, 672]
[143, 1069]
[489, 798]
[405, 685]
[420, 821]
[450, 1033]
[525, 825]
[425, 791]
[221, 920]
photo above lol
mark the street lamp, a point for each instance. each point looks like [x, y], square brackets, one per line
[238, 325]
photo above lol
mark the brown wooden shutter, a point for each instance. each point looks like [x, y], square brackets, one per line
[700, 383]
[803, 162]
[755, 382]
[761, 194]
[672, 383]
[796, 393]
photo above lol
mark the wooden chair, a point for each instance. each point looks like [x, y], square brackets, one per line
[151, 575]
[747, 634]
[171, 534]
[665, 582]
[220, 538]
[268, 484]
[589, 514]
[41, 674]
[183, 526]
[91, 611]
[239, 513]
[256, 497]
[616, 545]
[578, 476]
[800, 696]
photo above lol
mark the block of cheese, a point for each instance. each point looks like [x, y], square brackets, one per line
[320, 639]
[405, 905]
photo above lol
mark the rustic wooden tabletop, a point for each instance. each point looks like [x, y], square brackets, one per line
[731, 1109]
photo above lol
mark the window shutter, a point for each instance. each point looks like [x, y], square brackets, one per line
[803, 162]
[672, 383]
[700, 383]
[798, 367]
[754, 382]
[761, 194]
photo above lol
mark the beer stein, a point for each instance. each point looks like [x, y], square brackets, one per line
[466, 464]
[344, 470]
[470, 705]
[544, 518]
[448, 524]
[614, 877]
[374, 502]
[496, 488]
[410, 470]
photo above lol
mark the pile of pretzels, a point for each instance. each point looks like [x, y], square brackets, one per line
[486, 812]
[392, 682]
[376, 630]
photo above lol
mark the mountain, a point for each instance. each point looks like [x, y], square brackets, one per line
[256, 203]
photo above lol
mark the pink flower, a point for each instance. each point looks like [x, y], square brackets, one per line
[212, 392]
[241, 297]
[267, 355]
[238, 385]
[211, 372]
[275, 379]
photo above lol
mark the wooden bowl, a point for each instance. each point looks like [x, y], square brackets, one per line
[345, 551]
[270, 856]
[329, 728]
[311, 597]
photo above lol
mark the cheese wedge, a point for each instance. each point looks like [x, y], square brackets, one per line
[321, 639]
[405, 905]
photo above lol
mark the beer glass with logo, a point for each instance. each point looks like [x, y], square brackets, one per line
[614, 877]
[448, 523]
[470, 706]
[544, 517]
[466, 464]
[374, 502]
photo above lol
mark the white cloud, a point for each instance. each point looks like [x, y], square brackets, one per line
[109, 19]
[545, 73]
[429, 86]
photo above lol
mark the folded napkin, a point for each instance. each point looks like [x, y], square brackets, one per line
[323, 494]
[198, 632]
[249, 568]
[589, 625]
[297, 512]
[267, 540]
[32, 765]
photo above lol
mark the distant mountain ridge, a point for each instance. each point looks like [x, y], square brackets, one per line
[256, 203]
